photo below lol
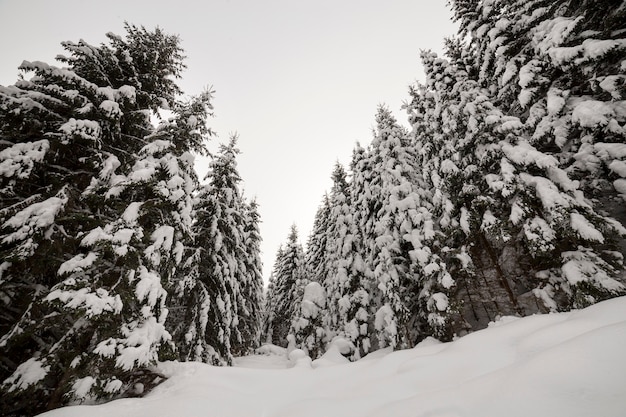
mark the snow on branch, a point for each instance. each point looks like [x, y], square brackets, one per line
[18, 160]
[86, 129]
[93, 303]
[35, 217]
[28, 373]
[137, 347]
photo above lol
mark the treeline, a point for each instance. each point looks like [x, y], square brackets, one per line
[113, 255]
[506, 196]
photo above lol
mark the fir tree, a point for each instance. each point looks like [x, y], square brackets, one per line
[316, 256]
[269, 303]
[220, 238]
[314, 326]
[95, 220]
[250, 312]
[348, 288]
[397, 227]
[289, 283]
[307, 328]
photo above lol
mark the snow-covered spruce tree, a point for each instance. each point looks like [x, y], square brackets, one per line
[269, 303]
[401, 261]
[313, 326]
[436, 310]
[307, 328]
[347, 287]
[95, 210]
[289, 283]
[251, 310]
[212, 325]
[335, 230]
[316, 256]
[558, 66]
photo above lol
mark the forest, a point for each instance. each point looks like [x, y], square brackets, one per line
[506, 196]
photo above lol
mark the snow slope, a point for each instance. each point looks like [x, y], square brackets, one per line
[566, 364]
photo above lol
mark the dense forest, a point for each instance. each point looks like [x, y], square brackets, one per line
[505, 195]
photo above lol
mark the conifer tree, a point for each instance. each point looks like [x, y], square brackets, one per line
[269, 303]
[96, 219]
[316, 256]
[220, 232]
[314, 326]
[436, 255]
[250, 312]
[400, 260]
[289, 283]
[307, 328]
[348, 289]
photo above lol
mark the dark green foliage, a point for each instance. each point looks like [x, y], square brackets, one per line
[286, 293]
[223, 290]
[95, 217]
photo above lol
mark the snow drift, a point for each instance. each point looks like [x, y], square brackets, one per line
[565, 364]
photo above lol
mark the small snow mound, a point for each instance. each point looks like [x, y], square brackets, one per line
[170, 369]
[429, 341]
[332, 357]
[343, 345]
[500, 321]
[296, 355]
[270, 349]
[300, 359]
[335, 352]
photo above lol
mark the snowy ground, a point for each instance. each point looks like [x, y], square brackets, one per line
[568, 364]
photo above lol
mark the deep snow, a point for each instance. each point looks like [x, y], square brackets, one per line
[565, 364]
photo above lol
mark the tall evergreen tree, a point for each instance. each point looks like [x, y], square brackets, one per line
[220, 238]
[289, 283]
[307, 327]
[269, 303]
[393, 194]
[349, 288]
[316, 256]
[395, 226]
[314, 326]
[96, 218]
[250, 312]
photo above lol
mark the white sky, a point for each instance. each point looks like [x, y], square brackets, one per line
[298, 80]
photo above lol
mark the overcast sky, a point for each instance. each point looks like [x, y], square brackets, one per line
[299, 81]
